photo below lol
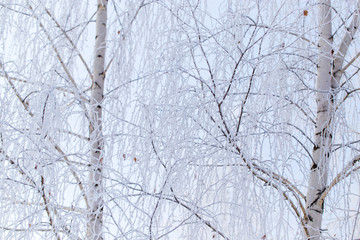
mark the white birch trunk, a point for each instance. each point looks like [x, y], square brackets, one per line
[329, 73]
[95, 197]
[323, 130]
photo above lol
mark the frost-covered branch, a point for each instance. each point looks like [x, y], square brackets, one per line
[57, 147]
[71, 42]
[338, 68]
[347, 170]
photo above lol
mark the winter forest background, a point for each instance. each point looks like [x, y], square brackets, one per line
[179, 119]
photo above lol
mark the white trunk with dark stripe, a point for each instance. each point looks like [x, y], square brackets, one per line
[323, 129]
[329, 73]
[95, 217]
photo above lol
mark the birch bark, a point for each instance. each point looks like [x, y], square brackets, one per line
[329, 73]
[95, 217]
[323, 130]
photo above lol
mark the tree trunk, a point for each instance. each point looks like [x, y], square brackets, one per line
[323, 128]
[95, 217]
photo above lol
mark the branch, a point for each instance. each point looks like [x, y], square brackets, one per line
[251, 166]
[19, 169]
[72, 44]
[244, 102]
[341, 175]
[69, 75]
[348, 144]
[26, 107]
[76, 135]
[43, 195]
[207, 223]
[157, 204]
[67, 71]
[349, 63]
[65, 90]
[51, 221]
[27, 229]
[143, 4]
[255, 169]
[286, 31]
[65, 208]
[304, 219]
[78, 181]
[176, 200]
[343, 48]
[346, 96]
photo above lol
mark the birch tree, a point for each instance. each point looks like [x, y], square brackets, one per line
[96, 192]
[330, 69]
[179, 120]
[57, 93]
[260, 86]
